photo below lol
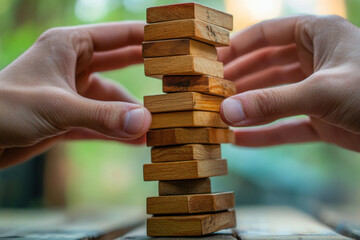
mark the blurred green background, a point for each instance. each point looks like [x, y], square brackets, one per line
[108, 173]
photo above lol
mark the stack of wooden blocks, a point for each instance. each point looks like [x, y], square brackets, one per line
[186, 131]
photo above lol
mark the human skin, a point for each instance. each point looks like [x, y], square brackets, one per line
[302, 65]
[50, 93]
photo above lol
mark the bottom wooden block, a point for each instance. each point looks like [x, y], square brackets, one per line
[182, 187]
[193, 203]
[190, 225]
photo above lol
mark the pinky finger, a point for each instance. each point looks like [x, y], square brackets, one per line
[286, 131]
[14, 156]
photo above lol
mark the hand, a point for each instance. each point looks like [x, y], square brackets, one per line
[311, 65]
[50, 94]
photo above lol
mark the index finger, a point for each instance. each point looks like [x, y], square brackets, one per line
[279, 31]
[115, 35]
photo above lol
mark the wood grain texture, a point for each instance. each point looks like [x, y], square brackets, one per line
[283, 223]
[190, 28]
[102, 222]
[189, 11]
[182, 65]
[204, 84]
[176, 47]
[184, 170]
[185, 152]
[187, 119]
[190, 225]
[188, 204]
[182, 101]
[178, 136]
[183, 187]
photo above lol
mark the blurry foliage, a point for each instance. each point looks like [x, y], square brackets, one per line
[111, 173]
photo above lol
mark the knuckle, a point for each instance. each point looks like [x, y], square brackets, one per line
[70, 37]
[330, 19]
[52, 34]
[104, 117]
[53, 112]
[266, 102]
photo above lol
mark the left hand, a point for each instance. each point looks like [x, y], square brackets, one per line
[50, 93]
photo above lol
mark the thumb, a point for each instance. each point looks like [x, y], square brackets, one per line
[120, 120]
[265, 105]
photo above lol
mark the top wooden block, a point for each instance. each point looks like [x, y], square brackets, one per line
[189, 28]
[189, 11]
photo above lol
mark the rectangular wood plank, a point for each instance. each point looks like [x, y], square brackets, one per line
[190, 28]
[182, 65]
[204, 84]
[344, 218]
[182, 101]
[140, 234]
[185, 153]
[175, 47]
[184, 170]
[188, 204]
[190, 225]
[187, 119]
[283, 223]
[189, 11]
[179, 136]
[182, 187]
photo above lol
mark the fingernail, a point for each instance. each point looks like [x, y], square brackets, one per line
[134, 121]
[233, 111]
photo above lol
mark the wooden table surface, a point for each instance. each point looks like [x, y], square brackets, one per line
[253, 223]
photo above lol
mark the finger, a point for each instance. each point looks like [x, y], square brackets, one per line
[260, 60]
[115, 35]
[115, 59]
[100, 88]
[266, 105]
[274, 76]
[87, 134]
[280, 31]
[13, 156]
[286, 131]
[121, 120]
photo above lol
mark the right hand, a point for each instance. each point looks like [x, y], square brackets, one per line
[311, 64]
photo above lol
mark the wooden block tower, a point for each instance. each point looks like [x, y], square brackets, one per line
[186, 131]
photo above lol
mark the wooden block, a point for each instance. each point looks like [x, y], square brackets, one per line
[184, 170]
[205, 84]
[191, 28]
[190, 225]
[178, 136]
[189, 11]
[188, 204]
[182, 187]
[182, 65]
[185, 152]
[175, 47]
[187, 119]
[182, 101]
